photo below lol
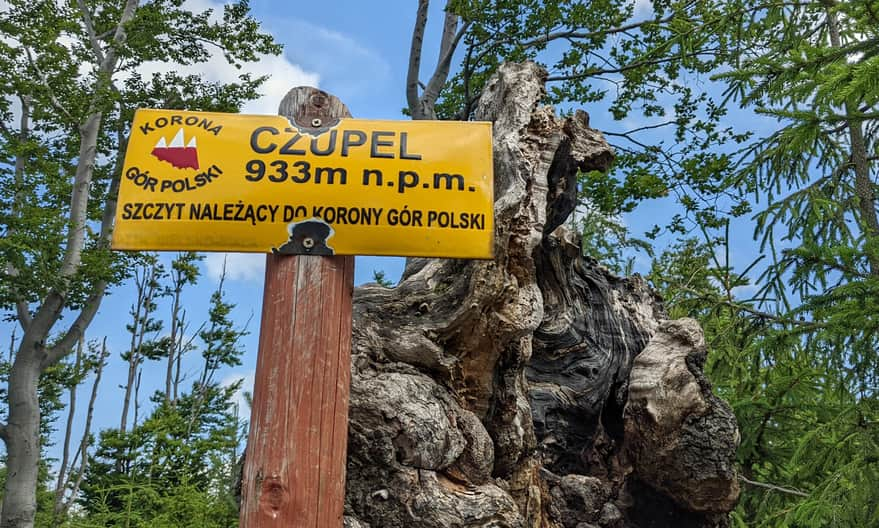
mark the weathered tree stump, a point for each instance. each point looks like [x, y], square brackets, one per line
[497, 393]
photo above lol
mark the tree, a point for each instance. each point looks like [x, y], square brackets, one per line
[378, 276]
[72, 480]
[221, 344]
[177, 466]
[72, 69]
[796, 360]
[178, 471]
[184, 271]
[816, 174]
[599, 52]
[147, 277]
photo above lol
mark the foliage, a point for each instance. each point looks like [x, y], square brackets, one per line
[50, 67]
[607, 239]
[378, 276]
[803, 433]
[793, 336]
[646, 68]
[177, 466]
[221, 348]
[797, 359]
[815, 369]
[71, 76]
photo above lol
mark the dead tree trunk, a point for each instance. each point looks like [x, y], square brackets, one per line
[536, 389]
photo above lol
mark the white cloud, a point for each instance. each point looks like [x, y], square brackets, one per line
[643, 9]
[239, 266]
[340, 49]
[246, 379]
[283, 74]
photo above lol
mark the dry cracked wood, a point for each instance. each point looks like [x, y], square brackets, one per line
[496, 393]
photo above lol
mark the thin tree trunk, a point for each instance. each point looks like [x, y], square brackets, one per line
[22, 437]
[412, 81]
[61, 482]
[172, 339]
[132, 354]
[22, 308]
[145, 292]
[208, 370]
[22, 432]
[84, 443]
[137, 397]
[181, 348]
[12, 344]
[126, 401]
[866, 197]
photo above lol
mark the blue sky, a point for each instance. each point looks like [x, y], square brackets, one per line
[355, 50]
[358, 51]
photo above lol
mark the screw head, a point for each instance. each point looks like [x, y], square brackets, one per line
[316, 122]
[308, 243]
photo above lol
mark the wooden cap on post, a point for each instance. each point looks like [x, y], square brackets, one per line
[294, 471]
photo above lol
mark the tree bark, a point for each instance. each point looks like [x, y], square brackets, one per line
[22, 433]
[22, 443]
[172, 338]
[423, 106]
[84, 443]
[496, 393]
[61, 482]
[864, 187]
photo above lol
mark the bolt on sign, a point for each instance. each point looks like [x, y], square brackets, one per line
[256, 183]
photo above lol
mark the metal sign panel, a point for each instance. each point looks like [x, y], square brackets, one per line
[255, 183]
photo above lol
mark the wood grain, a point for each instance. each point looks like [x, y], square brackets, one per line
[294, 472]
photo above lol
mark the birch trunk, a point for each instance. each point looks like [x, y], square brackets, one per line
[22, 438]
[22, 432]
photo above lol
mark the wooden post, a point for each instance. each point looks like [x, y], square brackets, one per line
[294, 470]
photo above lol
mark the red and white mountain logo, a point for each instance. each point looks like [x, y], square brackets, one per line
[178, 155]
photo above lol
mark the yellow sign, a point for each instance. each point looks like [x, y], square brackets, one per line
[228, 182]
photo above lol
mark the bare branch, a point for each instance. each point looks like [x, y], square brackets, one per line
[592, 72]
[412, 98]
[44, 81]
[21, 306]
[773, 487]
[84, 444]
[574, 34]
[88, 312]
[90, 29]
[450, 39]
